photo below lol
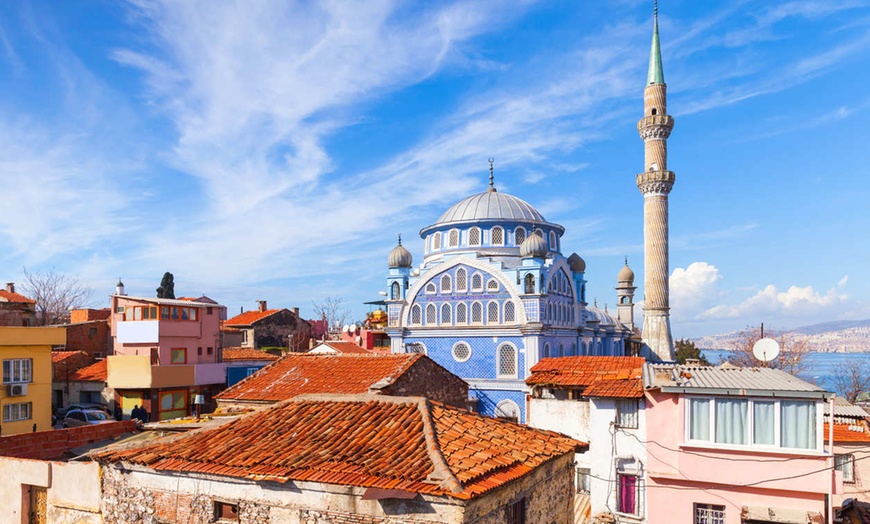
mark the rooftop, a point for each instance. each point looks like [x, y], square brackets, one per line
[619, 377]
[96, 372]
[342, 347]
[65, 363]
[6, 296]
[184, 301]
[727, 380]
[397, 443]
[249, 317]
[857, 432]
[231, 354]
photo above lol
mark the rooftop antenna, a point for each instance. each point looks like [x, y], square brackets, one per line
[491, 176]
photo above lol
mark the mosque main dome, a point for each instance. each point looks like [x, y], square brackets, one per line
[491, 205]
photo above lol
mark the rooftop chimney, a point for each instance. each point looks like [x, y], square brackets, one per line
[295, 311]
[10, 287]
[262, 305]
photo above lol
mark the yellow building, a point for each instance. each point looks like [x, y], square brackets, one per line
[25, 398]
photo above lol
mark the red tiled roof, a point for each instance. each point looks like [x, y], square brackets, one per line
[618, 377]
[96, 372]
[298, 374]
[67, 362]
[858, 432]
[249, 317]
[403, 443]
[345, 347]
[231, 354]
[6, 296]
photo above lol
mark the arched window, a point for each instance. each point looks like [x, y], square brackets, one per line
[507, 361]
[561, 350]
[461, 313]
[416, 315]
[445, 315]
[573, 349]
[454, 237]
[653, 112]
[507, 410]
[461, 280]
[416, 347]
[492, 285]
[546, 353]
[530, 283]
[509, 314]
[539, 232]
[431, 315]
[476, 313]
[395, 291]
[436, 241]
[477, 282]
[431, 289]
[497, 236]
[474, 236]
[519, 235]
[553, 246]
[492, 313]
[461, 352]
[445, 284]
[623, 300]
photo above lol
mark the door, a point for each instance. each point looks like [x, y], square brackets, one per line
[38, 505]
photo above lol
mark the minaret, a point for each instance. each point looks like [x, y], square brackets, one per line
[655, 183]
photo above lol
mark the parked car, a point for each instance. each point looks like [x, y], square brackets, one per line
[61, 412]
[84, 417]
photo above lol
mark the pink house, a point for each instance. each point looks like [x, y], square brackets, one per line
[166, 351]
[730, 445]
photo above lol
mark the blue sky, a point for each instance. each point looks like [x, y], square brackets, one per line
[273, 150]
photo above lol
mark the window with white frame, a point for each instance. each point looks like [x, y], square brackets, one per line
[846, 464]
[445, 284]
[445, 314]
[553, 246]
[436, 241]
[778, 423]
[509, 311]
[497, 236]
[709, 514]
[519, 235]
[431, 289]
[474, 236]
[476, 313]
[395, 291]
[477, 282]
[507, 361]
[416, 315]
[626, 413]
[461, 313]
[431, 315]
[492, 313]
[461, 351]
[461, 280]
[17, 370]
[17, 411]
[453, 239]
[492, 285]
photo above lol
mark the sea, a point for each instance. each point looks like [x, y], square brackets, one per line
[820, 368]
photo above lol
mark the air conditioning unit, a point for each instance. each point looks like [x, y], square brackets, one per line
[17, 390]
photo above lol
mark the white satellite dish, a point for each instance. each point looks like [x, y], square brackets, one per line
[765, 349]
[346, 328]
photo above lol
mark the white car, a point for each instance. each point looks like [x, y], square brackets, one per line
[85, 417]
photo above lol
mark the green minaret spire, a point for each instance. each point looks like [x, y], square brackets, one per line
[655, 75]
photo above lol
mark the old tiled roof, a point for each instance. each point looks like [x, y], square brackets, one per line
[341, 347]
[6, 296]
[857, 431]
[399, 443]
[298, 374]
[96, 372]
[727, 380]
[249, 317]
[67, 362]
[619, 377]
[231, 354]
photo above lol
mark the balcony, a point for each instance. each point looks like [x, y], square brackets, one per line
[136, 372]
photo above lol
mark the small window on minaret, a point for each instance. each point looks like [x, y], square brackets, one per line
[653, 111]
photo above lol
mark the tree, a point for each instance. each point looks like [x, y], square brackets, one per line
[686, 350]
[851, 378]
[55, 295]
[167, 286]
[791, 352]
[332, 310]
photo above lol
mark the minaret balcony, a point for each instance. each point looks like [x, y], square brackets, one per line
[656, 181]
[655, 126]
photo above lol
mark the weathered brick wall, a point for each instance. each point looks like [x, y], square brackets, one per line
[276, 329]
[308, 516]
[425, 378]
[15, 314]
[51, 445]
[90, 337]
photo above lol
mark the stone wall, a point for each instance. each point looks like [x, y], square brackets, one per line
[275, 330]
[426, 378]
[308, 516]
[17, 314]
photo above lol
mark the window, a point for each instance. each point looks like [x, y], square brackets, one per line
[492, 313]
[395, 291]
[173, 404]
[584, 480]
[225, 511]
[553, 241]
[732, 421]
[209, 310]
[461, 352]
[461, 280]
[144, 312]
[178, 356]
[155, 357]
[508, 410]
[507, 361]
[561, 350]
[209, 351]
[436, 241]
[628, 491]
[18, 411]
[199, 351]
[530, 283]
[539, 232]
[476, 313]
[477, 282]
[92, 331]
[797, 424]
[497, 236]
[509, 311]
[119, 309]
[431, 289]
[445, 314]
[709, 514]
[251, 371]
[846, 464]
[744, 422]
[17, 370]
[453, 239]
[461, 313]
[626, 413]
[445, 284]
[431, 315]
[416, 315]
[546, 350]
[474, 236]
[519, 235]
[492, 285]
[516, 512]
[764, 423]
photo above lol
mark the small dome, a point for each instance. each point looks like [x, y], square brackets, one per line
[534, 246]
[576, 263]
[625, 274]
[400, 257]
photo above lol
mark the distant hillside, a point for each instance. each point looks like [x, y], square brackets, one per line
[842, 336]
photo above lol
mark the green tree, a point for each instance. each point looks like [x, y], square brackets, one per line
[686, 350]
[167, 286]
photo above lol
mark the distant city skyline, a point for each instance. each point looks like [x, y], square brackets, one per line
[266, 152]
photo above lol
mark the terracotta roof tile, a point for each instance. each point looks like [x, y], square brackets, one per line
[617, 377]
[249, 317]
[858, 432]
[297, 374]
[405, 443]
[231, 354]
[6, 296]
[96, 372]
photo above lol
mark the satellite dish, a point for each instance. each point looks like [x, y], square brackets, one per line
[765, 349]
[346, 328]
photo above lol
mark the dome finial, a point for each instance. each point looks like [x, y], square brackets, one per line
[626, 257]
[400, 241]
[491, 176]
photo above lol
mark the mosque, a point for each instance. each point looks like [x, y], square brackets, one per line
[494, 293]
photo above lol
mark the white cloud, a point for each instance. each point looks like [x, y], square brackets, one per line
[842, 282]
[693, 289]
[797, 303]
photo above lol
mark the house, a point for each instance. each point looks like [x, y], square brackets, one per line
[244, 362]
[851, 449]
[88, 331]
[854, 512]
[64, 364]
[265, 327]
[339, 347]
[346, 459]
[16, 309]
[166, 351]
[88, 385]
[27, 371]
[732, 445]
[597, 400]
[298, 374]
